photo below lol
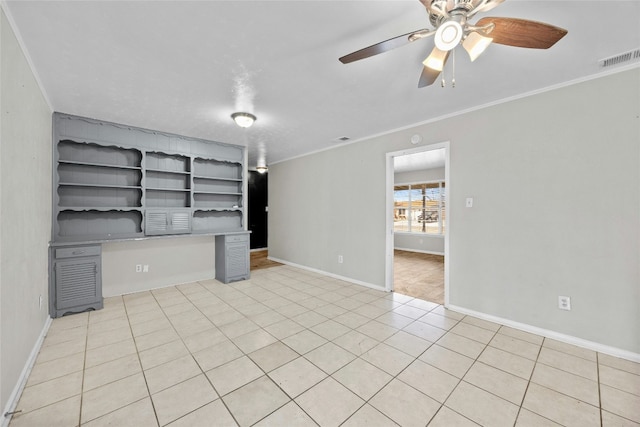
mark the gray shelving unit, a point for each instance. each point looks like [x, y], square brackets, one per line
[217, 194]
[98, 191]
[117, 182]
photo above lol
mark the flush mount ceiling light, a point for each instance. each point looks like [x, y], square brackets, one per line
[244, 120]
[261, 169]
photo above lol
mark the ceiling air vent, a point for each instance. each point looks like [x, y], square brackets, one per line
[342, 139]
[632, 55]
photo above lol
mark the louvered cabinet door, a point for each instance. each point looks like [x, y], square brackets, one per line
[237, 260]
[232, 257]
[158, 222]
[180, 222]
[77, 282]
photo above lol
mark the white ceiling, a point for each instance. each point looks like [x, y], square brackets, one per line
[431, 159]
[184, 67]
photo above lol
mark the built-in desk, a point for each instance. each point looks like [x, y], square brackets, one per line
[76, 268]
[118, 183]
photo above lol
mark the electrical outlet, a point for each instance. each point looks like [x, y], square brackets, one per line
[340, 259]
[469, 202]
[145, 269]
[138, 268]
[564, 303]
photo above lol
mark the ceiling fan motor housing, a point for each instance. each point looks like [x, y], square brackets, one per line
[451, 31]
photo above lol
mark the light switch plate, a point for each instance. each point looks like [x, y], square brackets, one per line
[469, 202]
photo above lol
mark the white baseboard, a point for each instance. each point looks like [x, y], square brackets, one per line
[259, 249]
[568, 339]
[326, 273]
[12, 402]
[419, 251]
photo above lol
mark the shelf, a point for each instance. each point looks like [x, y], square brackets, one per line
[103, 197]
[217, 192]
[100, 209]
[214, 178]
[71, 184]
[217, 209]
[97, 155]
[100, 165]
[167, 171]
[216, 169]
[168, 189]
[157, 161]
[216, 221]
[110, 223]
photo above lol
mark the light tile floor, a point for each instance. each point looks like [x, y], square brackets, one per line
[294, 348]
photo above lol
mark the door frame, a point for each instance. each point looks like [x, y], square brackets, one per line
[389, 247]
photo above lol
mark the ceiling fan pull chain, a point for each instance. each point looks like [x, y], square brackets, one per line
[453, 69]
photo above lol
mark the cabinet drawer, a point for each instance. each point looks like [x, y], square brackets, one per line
[237, 238]
[77, 251]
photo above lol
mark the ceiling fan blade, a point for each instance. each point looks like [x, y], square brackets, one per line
[428, 76]
[523, 33]
[385, 46]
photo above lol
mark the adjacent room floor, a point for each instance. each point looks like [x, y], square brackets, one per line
[295, 348]
[419, 275]
[259, 260]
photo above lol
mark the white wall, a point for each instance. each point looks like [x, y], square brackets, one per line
[412, 241]
[25, 210]
[171, 261]
[413, 177]
[556, 184]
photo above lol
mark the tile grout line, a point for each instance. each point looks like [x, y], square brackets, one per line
[199, 366]
[135, 343]
[599, 388]
[84, 367]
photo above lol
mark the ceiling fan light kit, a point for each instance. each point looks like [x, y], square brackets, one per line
[452, 28]
[436, 59]
[448, 35]
[475, 44]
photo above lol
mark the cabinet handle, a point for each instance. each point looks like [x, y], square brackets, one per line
[77, 252]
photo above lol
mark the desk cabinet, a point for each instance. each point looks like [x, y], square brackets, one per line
[77, 280]
[232, 257]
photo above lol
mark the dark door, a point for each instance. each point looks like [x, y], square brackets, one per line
[258, 199]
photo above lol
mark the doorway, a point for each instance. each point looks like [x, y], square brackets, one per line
[417, 224]
[258, 208]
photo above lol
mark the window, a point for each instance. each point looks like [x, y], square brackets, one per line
[419, 208]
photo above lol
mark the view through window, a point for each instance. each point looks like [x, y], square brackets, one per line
[419, 208]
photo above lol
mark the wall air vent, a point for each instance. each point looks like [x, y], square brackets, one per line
[342, 139]
[632, 55]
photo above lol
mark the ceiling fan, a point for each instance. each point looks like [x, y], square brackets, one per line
[450, 18]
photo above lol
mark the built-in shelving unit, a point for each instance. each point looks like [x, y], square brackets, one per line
[115, 182]
[99, 191]
[217, 194]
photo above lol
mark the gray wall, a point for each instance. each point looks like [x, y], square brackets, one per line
[556, 186]
[25, 210]
[419, 242]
